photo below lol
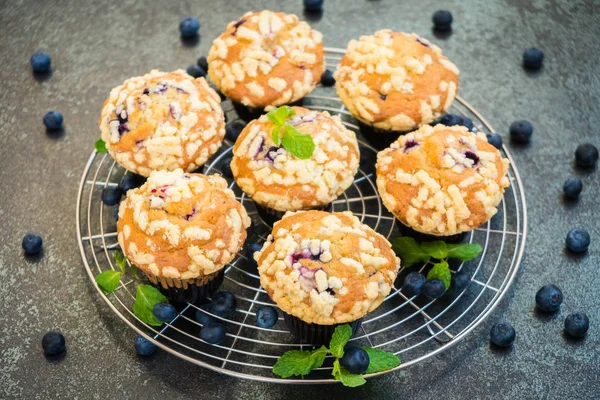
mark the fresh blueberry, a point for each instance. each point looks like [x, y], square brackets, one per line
[116, 214]
[466, 122]
[460, 281]
[313, 5]
[586, 155]
[503, 334]
[577, 324]
[223, 304]
[53, 120]
[549, 298]
[143, 346]
[131, 181]
[252, 248]
[226, 168]
[233, 130]
[32, 243]
[532, 58]
[203, 63]
[53, 343]
[266, 316]
[164, 312]
[111, 195]
[213, 333]
[521, 131]
[442, 20]
[202, 316]
[40, 62]
[449, 120]
[578, 240]
[413, 283]
[189, 27]
[572, 188]
[195, 71]
[327, 78]
[495, 140]
[355, 360]
[434, 289]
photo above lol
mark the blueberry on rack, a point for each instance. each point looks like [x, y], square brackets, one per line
[327, 78]
[495, 140]
[266, 316]
[434, 289]
[164, 312]
[111, 195]
[223, 304]
[143, 346]
[195, 71]
[413, 284]
[213, 333]
[355, 360]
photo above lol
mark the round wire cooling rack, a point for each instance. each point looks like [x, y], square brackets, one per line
[413, 328]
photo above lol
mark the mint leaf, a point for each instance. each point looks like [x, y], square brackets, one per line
[121, 261]
[108, 280]
[279, 115]
[440, 271]
[464, 252]
[100, 146]
[299, 362]
[298, 144]
[436, 249]
[340, 337]
[348, 379]
[380, 360]
[409, 251]
[146, 297]
[275, 135]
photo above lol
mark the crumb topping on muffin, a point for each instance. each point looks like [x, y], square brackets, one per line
[275, 178]
[442, 180]
[162, 121]
[396, 81]
[266, 59]
[180, 225]
[326, 268]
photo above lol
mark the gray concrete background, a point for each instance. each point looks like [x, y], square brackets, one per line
[95, 45]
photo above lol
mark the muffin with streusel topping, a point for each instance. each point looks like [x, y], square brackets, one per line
[266, 59]
[162, 121]
[181, 229]
[279, 181]
[442, 180]
[323, 269]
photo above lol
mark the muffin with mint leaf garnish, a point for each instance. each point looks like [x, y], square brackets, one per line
[162, 121]
[181, 230]
[294, 159]
[324, 269]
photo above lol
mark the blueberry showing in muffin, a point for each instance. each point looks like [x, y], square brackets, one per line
[355, 360]
[195, 71]
[233, 130]
[226, 168]
[586, 155]
[53, 343]
[503, 334]
[533, 58]
[111, 195]
[32, 243]
[577, 324]
[549, 298]
[223, 304]
[203, 63]
[413, 283]
[327, 78]
[131, 181]
[213, 333]
[40, 62]
[313, 5]
[143, 346]
[495, 140]
[578, 240]
[460, 281]
[442, 20]
[434, 289]
[572, 188]
[53, 120]
[202, 315]
[164, 312]
[266, 316]
[189, 27]
[521, 131]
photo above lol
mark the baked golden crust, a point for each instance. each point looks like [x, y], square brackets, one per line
[326, 268]
[278, 180]
[181, 226]
[442, 180]
[266, 59]
[162, 121]
[395, 81]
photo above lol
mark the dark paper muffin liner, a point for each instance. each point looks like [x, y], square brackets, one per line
[250, 113]
[270, 216]
[188, 290]
[423, 237]
[313, 333]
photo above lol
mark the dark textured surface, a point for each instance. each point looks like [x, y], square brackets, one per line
[95, 46]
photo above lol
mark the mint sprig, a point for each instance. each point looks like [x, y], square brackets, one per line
[146, 297]
[100, 146]
[301, 362]
[294, 142]
[108, 280]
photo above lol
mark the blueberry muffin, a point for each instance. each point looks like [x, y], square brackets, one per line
[266, 59]
[442, 180]
[181, 230]
[324, 269]
[278, 181]
[395, 81]
[162, 121]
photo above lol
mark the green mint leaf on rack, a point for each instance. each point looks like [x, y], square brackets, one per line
[348, 379]
[464, 252]
[146, 297]
[279, 115]
[380, 360]
[135, 272]
[275, 135]
[409, 251]
[108, 280]
[298, 144]
[100, 146]
[121, 261]
[299, 362]
[440, 271]
[436, 249]
[340, 337]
